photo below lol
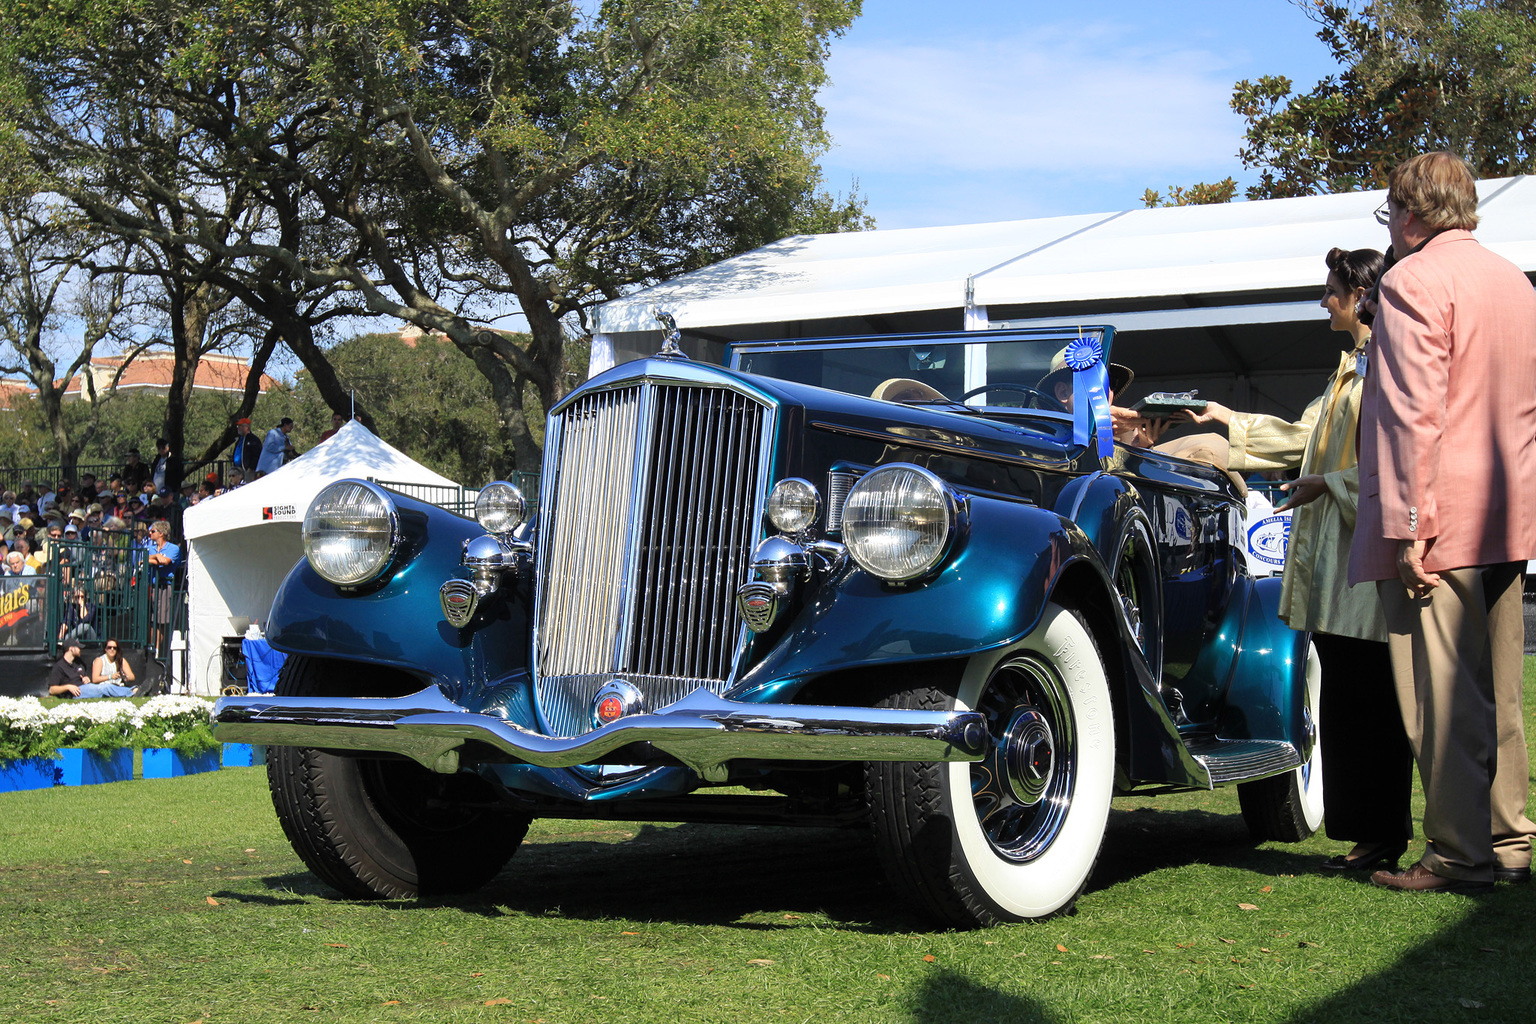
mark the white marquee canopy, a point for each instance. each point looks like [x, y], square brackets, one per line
[1165, 256]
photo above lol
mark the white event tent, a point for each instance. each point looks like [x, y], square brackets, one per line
[1224, 297]
[241, 544]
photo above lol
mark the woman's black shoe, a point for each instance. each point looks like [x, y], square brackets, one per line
[1383, 855]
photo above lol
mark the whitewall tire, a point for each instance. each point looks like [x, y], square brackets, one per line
[1016, 835]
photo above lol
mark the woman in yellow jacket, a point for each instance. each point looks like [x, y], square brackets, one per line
[1367, 763]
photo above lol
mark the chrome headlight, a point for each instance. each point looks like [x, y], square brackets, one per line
[500, 507]
[351, 532]
[898, 521]
[793, 505]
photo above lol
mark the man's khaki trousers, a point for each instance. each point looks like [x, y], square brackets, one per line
[1457, 657]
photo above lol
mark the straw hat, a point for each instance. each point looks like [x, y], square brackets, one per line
[1120, 377]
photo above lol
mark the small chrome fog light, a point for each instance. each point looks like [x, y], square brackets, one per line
[793, 505]
[500, 507]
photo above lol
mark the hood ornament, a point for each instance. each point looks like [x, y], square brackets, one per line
[669, 340]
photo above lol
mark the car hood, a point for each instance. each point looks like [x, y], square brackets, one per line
[1034, 437]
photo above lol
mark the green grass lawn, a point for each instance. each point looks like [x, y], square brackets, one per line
[180, 901]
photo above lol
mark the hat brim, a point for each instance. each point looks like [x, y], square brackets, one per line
[905, 389]
[1120, 378]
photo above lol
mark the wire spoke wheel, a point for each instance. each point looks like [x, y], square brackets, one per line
[1023, 791]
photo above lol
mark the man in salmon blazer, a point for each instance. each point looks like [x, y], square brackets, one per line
[1447, 519]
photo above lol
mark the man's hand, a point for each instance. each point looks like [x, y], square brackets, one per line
[1121, 418]
[1214, 412]
[1131, 427]
[1410, 567]
[1303, 491]
[71, 689]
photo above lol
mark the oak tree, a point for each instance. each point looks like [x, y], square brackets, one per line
[1416, 75]
[457, 165]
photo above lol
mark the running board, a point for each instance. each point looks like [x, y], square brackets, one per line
[1242, 760]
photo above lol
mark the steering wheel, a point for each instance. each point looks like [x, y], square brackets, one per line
[1039, 399]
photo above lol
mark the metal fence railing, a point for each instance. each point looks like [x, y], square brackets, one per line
[45, 477]
[108, 589]
[459, 499]
[451, 497]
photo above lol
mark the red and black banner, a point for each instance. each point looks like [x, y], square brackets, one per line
[23, 608]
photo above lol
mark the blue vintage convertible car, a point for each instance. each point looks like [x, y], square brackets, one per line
[964, 620]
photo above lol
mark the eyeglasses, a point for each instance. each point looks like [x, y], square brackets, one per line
[1383, 214]
[111, 647]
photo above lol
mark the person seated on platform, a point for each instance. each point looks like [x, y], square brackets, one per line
[48, 542]
[111, 667]
[68, 678]
[16, 560]
[79, 618]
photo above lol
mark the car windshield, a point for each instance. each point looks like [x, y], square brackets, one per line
[953, 365]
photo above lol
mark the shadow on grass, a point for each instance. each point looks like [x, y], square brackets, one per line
[701, 874]
[259, 899]
[1139, 842]
[945, 997]
[1477, 969]
[729, 875]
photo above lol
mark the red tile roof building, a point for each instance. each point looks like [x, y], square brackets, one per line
[149, 372]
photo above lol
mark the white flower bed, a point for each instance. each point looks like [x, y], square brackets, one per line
[28, 729]
[86, 713]
[22, 710]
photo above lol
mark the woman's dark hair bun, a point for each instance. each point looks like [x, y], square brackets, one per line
[1357, 268]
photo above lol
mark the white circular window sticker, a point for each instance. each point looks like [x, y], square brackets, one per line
[1268, 539]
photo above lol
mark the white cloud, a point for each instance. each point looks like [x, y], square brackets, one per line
[1048, 101]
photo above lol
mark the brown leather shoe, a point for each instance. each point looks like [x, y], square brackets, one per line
[1420, 879]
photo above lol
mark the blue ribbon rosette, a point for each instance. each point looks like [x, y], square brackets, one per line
[1090, 392]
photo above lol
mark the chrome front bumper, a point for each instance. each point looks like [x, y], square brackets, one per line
[702, 731]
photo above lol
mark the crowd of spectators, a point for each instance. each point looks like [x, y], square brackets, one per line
[87, 533]
[138, 507]
[139, 494]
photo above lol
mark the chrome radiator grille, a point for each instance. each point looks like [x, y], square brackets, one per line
[648, 522]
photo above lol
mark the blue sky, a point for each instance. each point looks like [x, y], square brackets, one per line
[999, 109]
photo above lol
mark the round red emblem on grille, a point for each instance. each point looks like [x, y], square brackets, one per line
[614, 700]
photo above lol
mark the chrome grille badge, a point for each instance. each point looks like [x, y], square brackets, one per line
[459, 600]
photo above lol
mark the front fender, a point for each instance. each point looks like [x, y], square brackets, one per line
[991, 593]
[400, 623]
